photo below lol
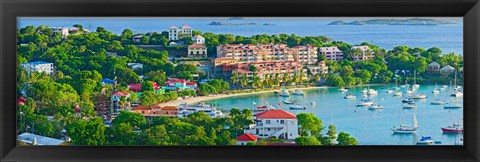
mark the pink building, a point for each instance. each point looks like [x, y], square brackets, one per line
[332, 53]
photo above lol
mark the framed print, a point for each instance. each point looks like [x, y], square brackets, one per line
[242, 81]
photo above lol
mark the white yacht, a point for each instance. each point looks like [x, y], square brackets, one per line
[404, 129]
[397, 93]
[297, 107]
[410, 105]
[437, 102]
[298, 92]
[375, 106]
[372, 92]
[185, 110]
[365, 103]
[418, 96]
[285, 93]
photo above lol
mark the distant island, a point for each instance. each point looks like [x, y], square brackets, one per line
[229, 23]
[236, 18]
[412, 21]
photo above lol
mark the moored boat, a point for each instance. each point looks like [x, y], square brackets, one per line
[297, 107]
[185, 110]
[397, 93]
[350, 96]
[425, 140]
[285, 93]
[287, 102]
[375, 106]
[343, 89]
[407, 129]
[418, 96]
[364, 103]
[372, 92]
[410, 105]
[298, 92]
[437, 102]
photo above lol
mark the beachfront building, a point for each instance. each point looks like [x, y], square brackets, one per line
[365, 53]
[175, 33]
[38, 66]
[156, 110]
[255, 53]
[275, 123]
[137, 88]
[447, 70]
[305, 54]
[246, 138]
[34, 139]
[332, 53]
[433, 68]
[197, 51]
[198, 39]
[218, 62]
[320, 68]
[264, 68]
[60, 30]
[173, 84]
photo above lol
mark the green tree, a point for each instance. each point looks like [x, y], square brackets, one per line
[345, 139]
[134, 119]
[147, 86]
[309, 123]
[332, 131]
[309, 140]
[87, 132]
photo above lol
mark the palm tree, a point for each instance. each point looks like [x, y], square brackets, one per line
[303, 76]
[234, 79]
[256, 81]
[243, 80]
[277, 79]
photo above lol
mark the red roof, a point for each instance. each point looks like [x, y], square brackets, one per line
[21, 99]
[169, 108]
[120, 93]
[185, 26]
[247, 137]
[21, 103]
[191, 83]
[77, 109]
[276, 114]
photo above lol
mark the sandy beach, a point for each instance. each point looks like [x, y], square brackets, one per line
[193, 100]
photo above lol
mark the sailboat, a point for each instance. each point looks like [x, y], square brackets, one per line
[456, 93]
[425, 140]
[415, 85]
[406, 129]
[453, 104]
[435, 90]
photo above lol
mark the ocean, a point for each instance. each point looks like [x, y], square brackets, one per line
[449, 38]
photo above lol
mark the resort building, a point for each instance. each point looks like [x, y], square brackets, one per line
[134, 66]
[218, 62]
[137, 88]
[116, 101]
[320, 68]
[156, 110]
[305, 54]
[246, 138]
[264, 68]
[38, 66]
[433, 68]
[175, 33]
[61, 30]
[197, 51]
[34, 139]
[447, 70]
[255, 53]
[275, 123]
[198, 39]
[332, 53]
[174, 84]
[365, 53]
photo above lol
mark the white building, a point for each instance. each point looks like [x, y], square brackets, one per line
[175, 33]
[33, 139]
[38, 66]
[275, 123]
[366, 53]
[135, 66]
[198, 39]
[447, 69]
[61, 30]
[137, 38]
[332, 53]
[305, 54]
[320, 68]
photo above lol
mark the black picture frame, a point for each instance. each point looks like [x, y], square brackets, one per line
[468, 9]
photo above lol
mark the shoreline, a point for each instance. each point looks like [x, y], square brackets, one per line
[194, 100]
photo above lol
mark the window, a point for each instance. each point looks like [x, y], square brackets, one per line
[267, 121]
[268, 129]
[282, 121]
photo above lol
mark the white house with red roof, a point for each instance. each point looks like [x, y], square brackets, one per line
[246, 138]
[275, 123]
[197, 51]
[198, 39]
[175, 33]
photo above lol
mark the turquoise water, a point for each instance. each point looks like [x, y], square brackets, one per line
[369, 127]
[449, 38]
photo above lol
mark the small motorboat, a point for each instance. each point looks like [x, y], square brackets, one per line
[456, 94]
[285, 93]
[364, 103]
[407, 100]
[454, 128]
[313, 103]
[349, 96]
[287, 102]
[408, 91]
[375, 106]
[365, 91]
[435, 91]
[410, 105]
[390, 91]
[397, 93]
[437, 102]
[425, 140]
[297, 107]
[452, 105]
[343, 89]
[418, 96]
[298, 92]
[372, 92]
